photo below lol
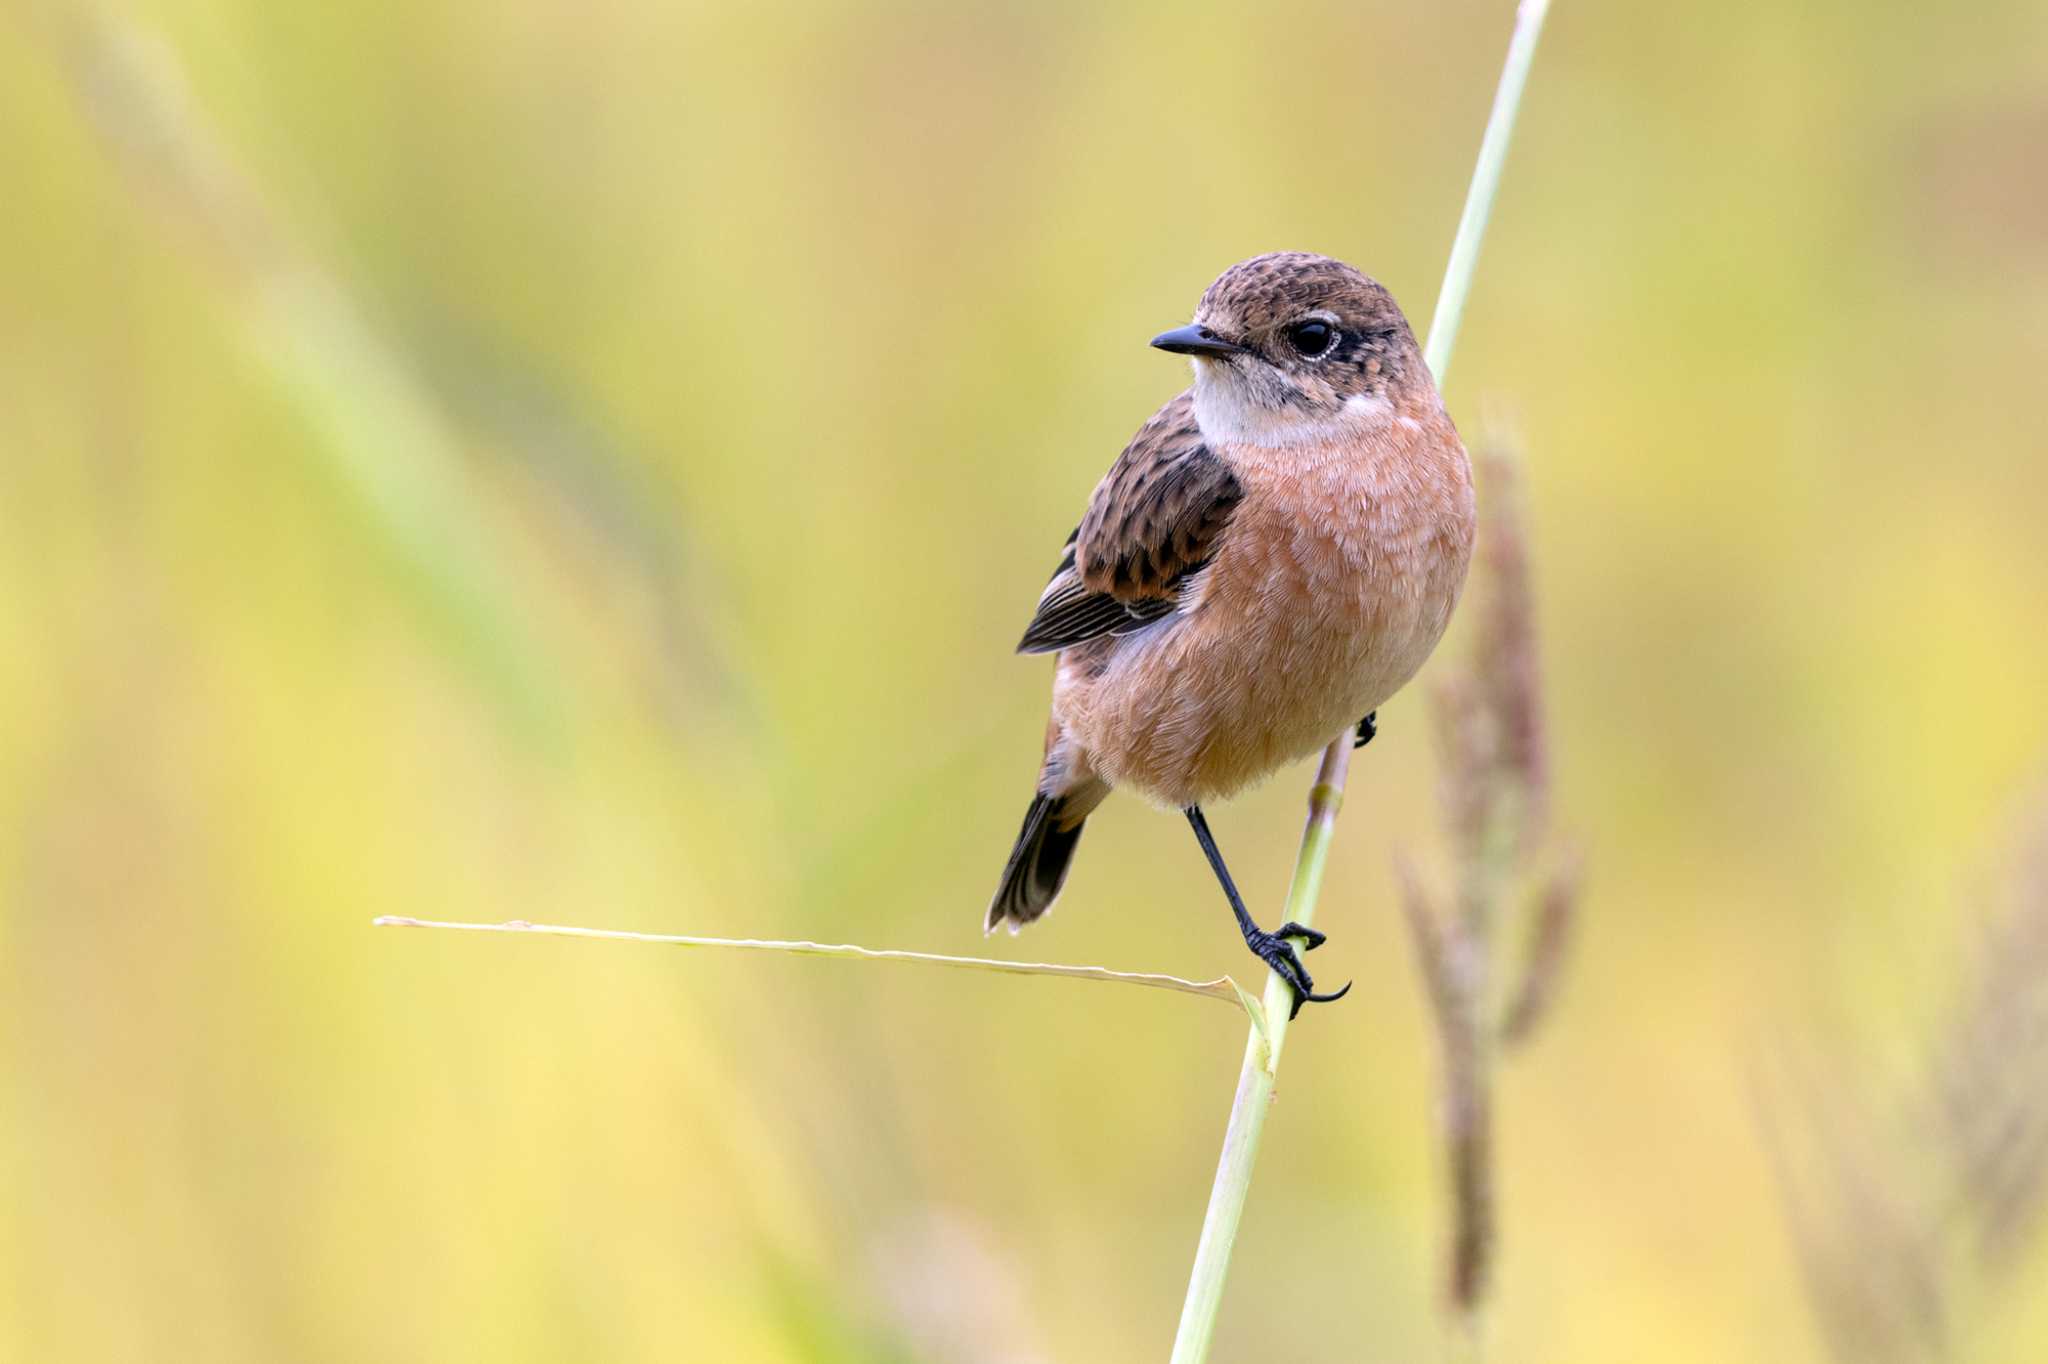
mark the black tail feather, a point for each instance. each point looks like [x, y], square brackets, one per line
[1038, 863]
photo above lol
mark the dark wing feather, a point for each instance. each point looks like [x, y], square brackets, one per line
[1155, 518]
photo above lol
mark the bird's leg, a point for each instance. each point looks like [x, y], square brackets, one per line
[1274, 949]
[1368, 730]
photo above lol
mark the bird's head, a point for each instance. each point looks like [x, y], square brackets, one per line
[1286, 345]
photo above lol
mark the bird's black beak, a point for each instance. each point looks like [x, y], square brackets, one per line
[1196, 341]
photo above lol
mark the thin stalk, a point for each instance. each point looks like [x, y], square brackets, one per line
[1262, 1048]
[1255, 1078]
[1493, 155]
[1222, 988]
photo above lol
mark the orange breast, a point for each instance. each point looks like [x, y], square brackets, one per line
[1334, 582]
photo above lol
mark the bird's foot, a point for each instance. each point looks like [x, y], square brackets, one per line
[1311, 938]
[1277, 952]
[1368, 730]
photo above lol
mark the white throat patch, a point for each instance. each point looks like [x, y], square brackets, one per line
[1229, 413]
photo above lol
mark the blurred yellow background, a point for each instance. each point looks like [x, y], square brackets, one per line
[591, 463]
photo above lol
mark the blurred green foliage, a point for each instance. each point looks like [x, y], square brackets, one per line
[591, 463]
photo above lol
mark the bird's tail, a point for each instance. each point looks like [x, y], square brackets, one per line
[1045, 847]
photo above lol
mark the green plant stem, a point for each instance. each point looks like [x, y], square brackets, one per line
[1262, 1048]
[1255, 1078]
[1493, 155]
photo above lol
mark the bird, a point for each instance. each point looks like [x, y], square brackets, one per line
[1271, 558]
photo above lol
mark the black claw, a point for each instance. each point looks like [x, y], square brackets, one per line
[1306, 996]
[1279, 954]
[1368, 729]
[1312, 938]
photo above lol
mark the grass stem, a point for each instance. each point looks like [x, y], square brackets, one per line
[1262, 1048]
[1255, 1078]
[1493, 155]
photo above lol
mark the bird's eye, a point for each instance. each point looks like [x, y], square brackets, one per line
[1313, 338]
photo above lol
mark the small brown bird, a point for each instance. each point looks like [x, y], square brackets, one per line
[1272, 556]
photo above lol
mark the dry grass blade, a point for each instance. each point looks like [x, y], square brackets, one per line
[1222, 987]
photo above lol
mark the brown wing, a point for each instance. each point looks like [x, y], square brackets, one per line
[1155, 518]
